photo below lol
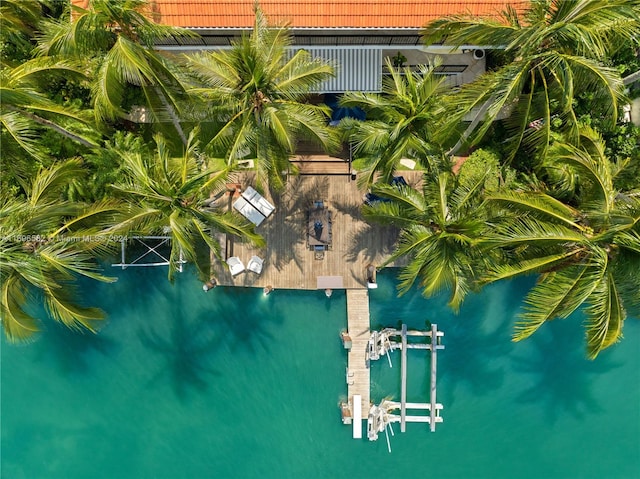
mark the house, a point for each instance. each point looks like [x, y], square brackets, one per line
[354, 35]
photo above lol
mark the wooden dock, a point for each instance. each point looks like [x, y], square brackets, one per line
[321, 165]
[358, 373]
[288, 261]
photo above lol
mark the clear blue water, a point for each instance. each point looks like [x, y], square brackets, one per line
[230, 384]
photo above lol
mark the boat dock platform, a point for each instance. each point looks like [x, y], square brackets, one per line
[357, 336]
[364, 346]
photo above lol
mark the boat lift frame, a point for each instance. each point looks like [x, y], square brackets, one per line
[380, 417]
[150, 249]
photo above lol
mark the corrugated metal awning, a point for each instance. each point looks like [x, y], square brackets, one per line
[355, 69]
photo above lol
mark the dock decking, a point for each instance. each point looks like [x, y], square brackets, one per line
[358, 377]
[288, 261]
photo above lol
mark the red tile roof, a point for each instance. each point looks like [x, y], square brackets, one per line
[320, 13]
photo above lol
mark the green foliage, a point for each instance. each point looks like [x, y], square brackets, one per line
[485, 164]
[115, 41]
[586, 248]
[259, 92]
[164, 194]
[399, 60]
[558, 48]
[626, 59]
[18, 24]
[104, 165]
[45, 246]
[441, 227]
[622, 147]
[400, 123]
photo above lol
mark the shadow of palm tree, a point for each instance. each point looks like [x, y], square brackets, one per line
[244, 317]
[562, 377]
[74, 350]
[473, 368]
[186, 350]
[473, 339]
[287, 221]
[373, 240]
[369, 240]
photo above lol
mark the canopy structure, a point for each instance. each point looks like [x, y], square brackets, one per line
[356, 69]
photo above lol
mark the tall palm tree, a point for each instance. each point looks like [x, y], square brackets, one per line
[587, 252]
[258, 90]
[400, 122]
[45, 244]
[168, 195]
[25, 109]
[441, 227]
[557, 48]
[18, 22]
[117, 37]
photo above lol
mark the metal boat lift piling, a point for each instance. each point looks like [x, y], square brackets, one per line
[382, 343]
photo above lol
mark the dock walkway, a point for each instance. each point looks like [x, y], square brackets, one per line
[358, 377]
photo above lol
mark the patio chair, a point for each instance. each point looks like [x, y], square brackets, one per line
[236, 266]
[255, 264]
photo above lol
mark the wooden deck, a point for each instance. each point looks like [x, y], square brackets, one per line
[358, 372]
[289, 263]
[321, 165]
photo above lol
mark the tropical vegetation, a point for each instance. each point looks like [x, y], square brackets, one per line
[400, 123]
[168, 196]
[259, 91]
[45, 244]
[550, 186]
[555, 50]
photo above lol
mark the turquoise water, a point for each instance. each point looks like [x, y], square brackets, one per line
[230, 384]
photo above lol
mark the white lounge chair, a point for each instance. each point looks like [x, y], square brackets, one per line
[258, 201]
[255, 264]
[249, 211]
[236, 266]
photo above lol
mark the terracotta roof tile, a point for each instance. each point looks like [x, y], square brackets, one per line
[320, 13]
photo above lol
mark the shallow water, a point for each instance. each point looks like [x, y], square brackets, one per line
[230, 384]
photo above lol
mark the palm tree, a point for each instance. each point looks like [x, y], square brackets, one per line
[18, 23]
[170, 195]
[45, 244]
[25, 110]
[258, 90]
[557, 48]
[587, 252]
[116, 37]
[441, 228]
[400, 122]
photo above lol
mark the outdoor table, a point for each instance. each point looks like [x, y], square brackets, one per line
[319, 228]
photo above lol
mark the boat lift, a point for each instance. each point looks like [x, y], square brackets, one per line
[380, 416]
[151, 245]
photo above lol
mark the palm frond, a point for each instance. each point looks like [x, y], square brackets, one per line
[539, 205]
[557, 295]
[535, 265]
[62, 308]
[18, 325]
[605, 316]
